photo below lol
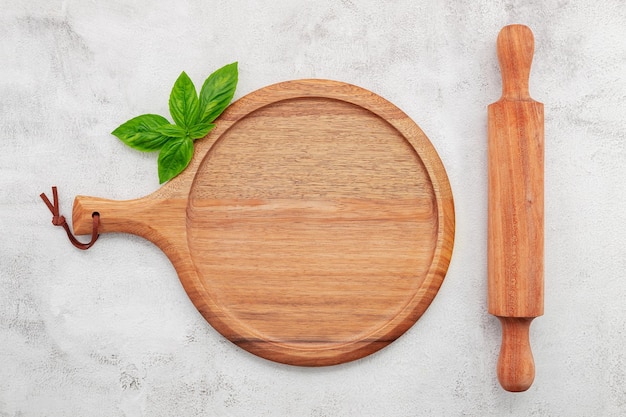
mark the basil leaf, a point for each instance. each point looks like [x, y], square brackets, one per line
[174, 158]
[184, 106]
[217, 92]
[200, 130]
[142, 133]
[172, 131]
[192, 116]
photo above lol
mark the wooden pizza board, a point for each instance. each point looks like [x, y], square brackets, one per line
[314, 225]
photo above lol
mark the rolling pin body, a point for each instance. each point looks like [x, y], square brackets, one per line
[515, 225]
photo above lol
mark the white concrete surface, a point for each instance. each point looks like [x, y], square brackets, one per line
[110, 332]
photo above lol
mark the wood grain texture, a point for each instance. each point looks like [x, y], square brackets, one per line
[515, 251]
[313, 226]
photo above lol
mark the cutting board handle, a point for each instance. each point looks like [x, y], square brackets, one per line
[516, 366]
[115, 216]
[150, 217]
[515, 47]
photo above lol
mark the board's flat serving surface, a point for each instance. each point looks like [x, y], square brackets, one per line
[313, 227]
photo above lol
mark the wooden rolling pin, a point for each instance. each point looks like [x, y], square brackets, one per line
[515, 233]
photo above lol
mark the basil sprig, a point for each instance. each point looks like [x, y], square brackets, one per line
[192, 114]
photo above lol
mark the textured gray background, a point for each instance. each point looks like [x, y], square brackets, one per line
[110, 331]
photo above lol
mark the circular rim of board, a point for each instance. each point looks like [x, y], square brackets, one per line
[253, 342]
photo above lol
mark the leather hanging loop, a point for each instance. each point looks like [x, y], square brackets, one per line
[59, 220]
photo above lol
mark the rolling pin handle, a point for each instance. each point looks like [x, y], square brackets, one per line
[515, 48]
[516, 367]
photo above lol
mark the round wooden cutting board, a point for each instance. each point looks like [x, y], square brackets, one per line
[314, 225]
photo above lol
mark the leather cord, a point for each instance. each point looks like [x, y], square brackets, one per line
[59, 220]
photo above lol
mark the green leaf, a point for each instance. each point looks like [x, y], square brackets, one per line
[172, 131]
[142, 133]
[217, 92]
[200, 130]
[192, 114]
[184, 106]
[174, 158]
